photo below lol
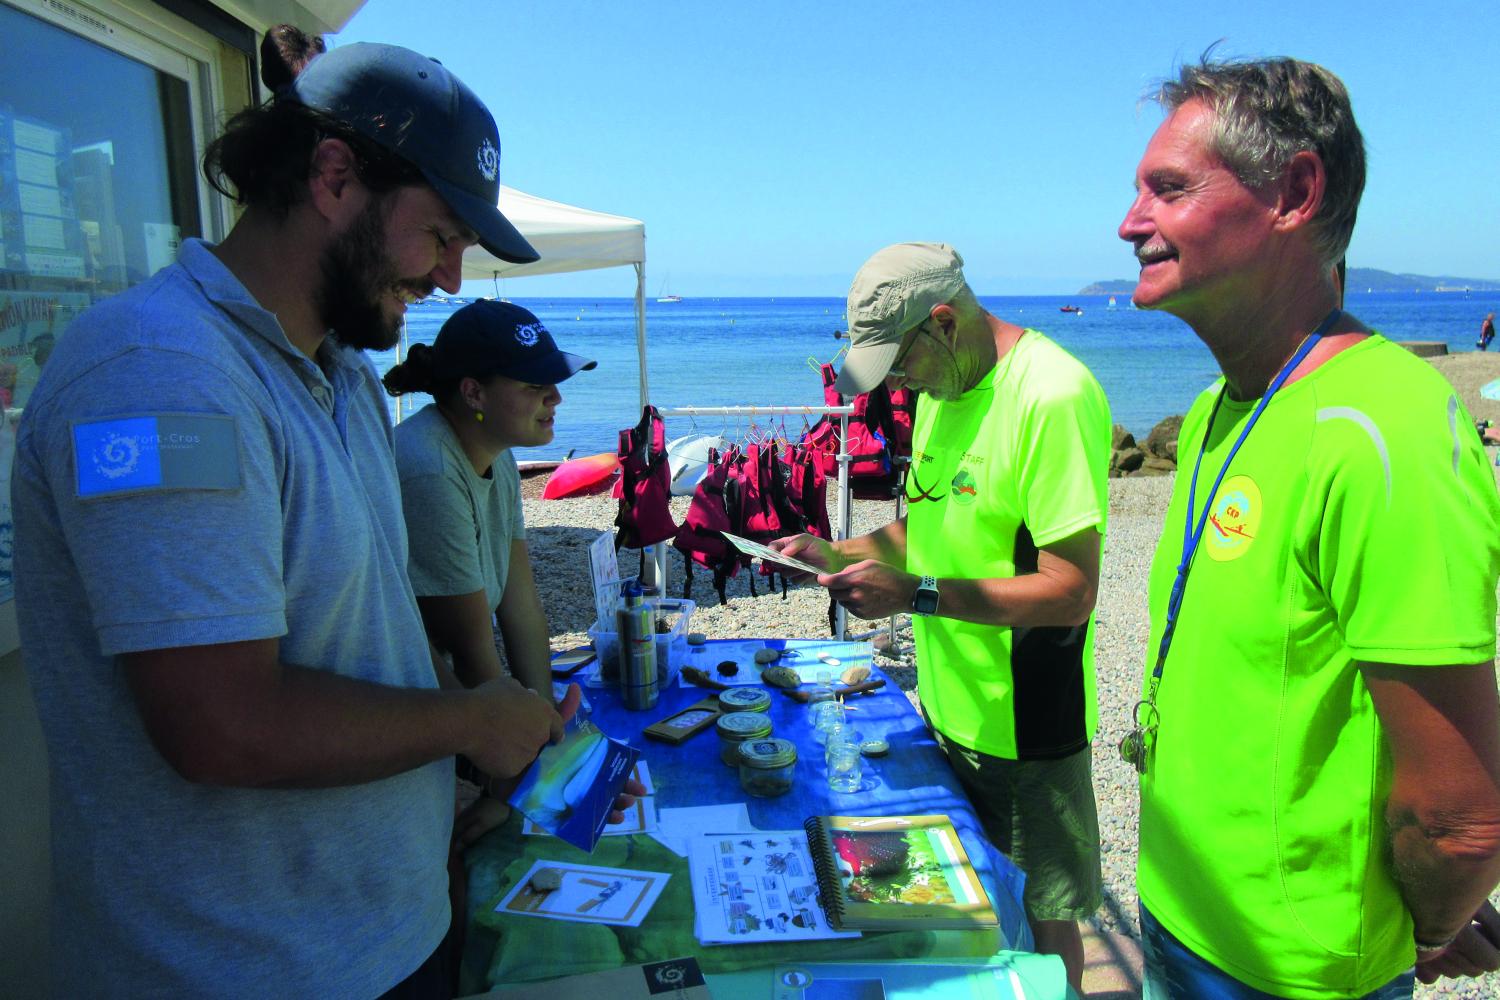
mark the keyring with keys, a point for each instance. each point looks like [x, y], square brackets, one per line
[1135, 748]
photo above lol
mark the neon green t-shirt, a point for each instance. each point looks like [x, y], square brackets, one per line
[1358, 522]
[1018, 462]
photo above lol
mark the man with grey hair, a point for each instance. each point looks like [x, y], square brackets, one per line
[1319, 736]
[997, 559]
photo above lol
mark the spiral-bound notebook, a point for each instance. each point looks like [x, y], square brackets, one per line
[886, 872]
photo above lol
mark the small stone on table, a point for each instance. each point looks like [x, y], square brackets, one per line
[546, 879]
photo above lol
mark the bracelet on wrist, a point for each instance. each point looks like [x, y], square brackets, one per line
[1432, 948]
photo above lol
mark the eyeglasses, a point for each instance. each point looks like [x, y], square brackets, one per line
[896, 368]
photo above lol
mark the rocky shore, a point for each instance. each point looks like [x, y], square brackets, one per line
[559, 533]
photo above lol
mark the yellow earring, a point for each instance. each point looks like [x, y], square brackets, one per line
[479, 415]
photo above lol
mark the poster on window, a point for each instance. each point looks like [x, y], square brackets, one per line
[30, 323]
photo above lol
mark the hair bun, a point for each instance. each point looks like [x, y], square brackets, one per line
[284, 51]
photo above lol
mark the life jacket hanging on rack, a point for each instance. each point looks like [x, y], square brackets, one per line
[879, 434]
[645, 516]
[715, 509]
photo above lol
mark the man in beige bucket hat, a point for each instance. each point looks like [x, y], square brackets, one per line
[997, 559]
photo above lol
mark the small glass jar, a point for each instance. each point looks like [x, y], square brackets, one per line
[768, 767]
[745, 699]
[740, 727]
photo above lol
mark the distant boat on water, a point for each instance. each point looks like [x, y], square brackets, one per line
[1070, 309]
[664, 296]
[1111, 302]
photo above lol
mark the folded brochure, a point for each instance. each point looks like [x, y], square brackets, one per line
[571, 787]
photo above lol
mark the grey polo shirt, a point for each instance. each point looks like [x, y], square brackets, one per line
[184, 476]
[461, 524]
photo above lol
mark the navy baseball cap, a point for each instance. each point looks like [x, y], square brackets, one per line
[488, 338]
[411, 105]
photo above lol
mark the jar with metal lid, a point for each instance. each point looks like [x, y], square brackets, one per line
[745, 699]
[740, 727]
[768, 767]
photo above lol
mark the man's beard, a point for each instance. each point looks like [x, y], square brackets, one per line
[357, 275]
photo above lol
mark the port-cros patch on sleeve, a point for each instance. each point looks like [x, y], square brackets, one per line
[156, 451]
[170, 510]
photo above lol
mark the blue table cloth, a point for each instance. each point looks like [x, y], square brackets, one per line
[913, 778]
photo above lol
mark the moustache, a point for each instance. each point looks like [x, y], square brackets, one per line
[1147, 252]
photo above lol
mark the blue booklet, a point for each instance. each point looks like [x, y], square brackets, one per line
[570, 788]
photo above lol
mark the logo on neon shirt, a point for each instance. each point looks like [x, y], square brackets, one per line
[1233, 520]
[965, 490]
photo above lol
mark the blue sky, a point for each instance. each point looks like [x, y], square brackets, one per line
[770, 147]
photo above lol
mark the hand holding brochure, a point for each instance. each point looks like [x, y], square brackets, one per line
[758, 551]
[571, 787]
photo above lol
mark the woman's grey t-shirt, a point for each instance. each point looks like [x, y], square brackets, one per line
[460, 524]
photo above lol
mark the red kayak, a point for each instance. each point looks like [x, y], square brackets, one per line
[583, 477]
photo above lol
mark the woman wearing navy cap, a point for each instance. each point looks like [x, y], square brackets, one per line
[492, 372]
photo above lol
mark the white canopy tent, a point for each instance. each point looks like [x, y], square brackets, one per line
[570, 239]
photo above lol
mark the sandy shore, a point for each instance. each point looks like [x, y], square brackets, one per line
[560, 532]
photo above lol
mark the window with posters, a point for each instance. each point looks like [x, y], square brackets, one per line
[99, 142]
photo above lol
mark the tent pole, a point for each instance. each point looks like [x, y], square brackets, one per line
[658, 561]
[640, 327]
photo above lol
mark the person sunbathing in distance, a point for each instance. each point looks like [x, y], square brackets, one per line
[492, 372]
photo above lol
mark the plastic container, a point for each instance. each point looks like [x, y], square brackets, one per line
[745, 699]
[768, 767]
[740, 727]
[671, 645]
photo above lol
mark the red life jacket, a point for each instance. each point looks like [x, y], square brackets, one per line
[807, 490]
[701, 539]
[879, 433]
[645, 515]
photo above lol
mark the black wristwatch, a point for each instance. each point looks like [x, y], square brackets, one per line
[925, 600]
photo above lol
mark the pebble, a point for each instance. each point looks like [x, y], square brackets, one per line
[782, 677]
[767, 655]
[1135, 514]
[696, 638]
[854, 674]
[546, 879]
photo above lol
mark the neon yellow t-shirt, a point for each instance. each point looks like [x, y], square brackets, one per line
[1018, 462]
[1358, 522]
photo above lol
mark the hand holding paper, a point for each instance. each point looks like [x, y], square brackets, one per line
[773, 554]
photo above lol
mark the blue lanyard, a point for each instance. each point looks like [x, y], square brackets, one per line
[1191, 536]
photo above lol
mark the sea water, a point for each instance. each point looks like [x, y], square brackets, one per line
[743, 352]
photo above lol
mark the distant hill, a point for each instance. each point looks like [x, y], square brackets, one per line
[1368, 279]
[1361, 279]
[1108, 288]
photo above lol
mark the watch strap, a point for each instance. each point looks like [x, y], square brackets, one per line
[925, 600]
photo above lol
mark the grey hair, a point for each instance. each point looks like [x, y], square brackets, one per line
[1268, 110]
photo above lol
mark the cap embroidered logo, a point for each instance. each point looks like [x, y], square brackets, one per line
[489, 160]
[527, 335]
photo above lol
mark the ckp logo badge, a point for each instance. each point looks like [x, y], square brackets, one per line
[1234, 519]
[527, 335]
[117, 455]
[489, 160]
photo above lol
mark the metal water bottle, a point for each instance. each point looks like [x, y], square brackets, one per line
[635, 624]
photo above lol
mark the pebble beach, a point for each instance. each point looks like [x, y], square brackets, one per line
[560, 531]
